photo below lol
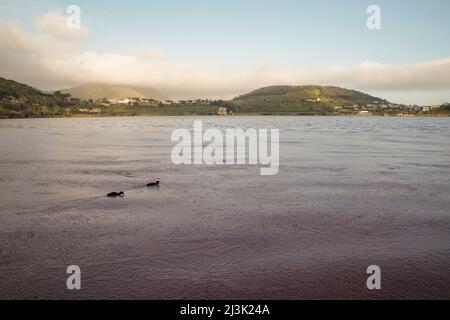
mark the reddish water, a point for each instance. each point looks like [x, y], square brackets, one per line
[351, 192]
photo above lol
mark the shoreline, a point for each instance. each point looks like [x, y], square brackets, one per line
[234, 115]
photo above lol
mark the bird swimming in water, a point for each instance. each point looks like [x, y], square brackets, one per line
[153, 184]
[116, 194]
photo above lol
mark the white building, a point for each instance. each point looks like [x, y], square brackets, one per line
[124, 101]
[222, 111]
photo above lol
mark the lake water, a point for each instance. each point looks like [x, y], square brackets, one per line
[351, 192]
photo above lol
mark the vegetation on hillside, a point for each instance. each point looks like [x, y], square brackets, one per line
[300, 100]
[443, 110]
[18, 90]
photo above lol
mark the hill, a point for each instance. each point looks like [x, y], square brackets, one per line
[17, 99]
[18, 90]
[300, 100]
[116, 92]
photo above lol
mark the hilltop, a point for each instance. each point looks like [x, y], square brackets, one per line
[300, 99]
[116, 92]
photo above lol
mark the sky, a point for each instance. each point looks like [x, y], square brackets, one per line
[219, 49]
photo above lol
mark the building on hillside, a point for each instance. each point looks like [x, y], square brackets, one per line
[12, 100]
[406, 114]
[222, 111]
[90, 110]
[149, 102]
[124, 101]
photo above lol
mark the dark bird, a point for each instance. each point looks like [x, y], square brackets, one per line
[153, 184]
[116, 194]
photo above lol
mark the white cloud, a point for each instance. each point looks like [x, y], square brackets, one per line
[430, 75]
[148, 53]
[50, 61]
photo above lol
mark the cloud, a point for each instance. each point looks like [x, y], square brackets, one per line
[55, 25]
[47, 60]
[430, 75]
[148, 53]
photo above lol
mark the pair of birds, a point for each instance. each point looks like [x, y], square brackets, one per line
[122, 194]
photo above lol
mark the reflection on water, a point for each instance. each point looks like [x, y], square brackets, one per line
[350, 192]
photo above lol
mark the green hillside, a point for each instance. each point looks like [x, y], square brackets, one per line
[18, 90]
[299, 100]
[19, 100]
